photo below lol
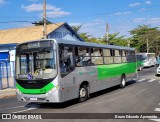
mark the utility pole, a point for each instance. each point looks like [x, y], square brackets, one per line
[147, 45]
[44, 20]
[128, 43]
[107, 33]
[147, 35]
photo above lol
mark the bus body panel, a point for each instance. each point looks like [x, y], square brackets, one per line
[66, 88]
[98, 77]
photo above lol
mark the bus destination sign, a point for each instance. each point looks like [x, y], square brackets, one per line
[34, 45]
[38, 44]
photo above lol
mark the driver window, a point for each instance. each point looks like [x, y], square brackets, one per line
[66, 60]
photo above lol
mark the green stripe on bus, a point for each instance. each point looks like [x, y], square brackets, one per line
[112, 70]
[35, 91]
[139, 63]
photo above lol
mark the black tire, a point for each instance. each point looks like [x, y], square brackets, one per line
[83, 93]
[123, 81]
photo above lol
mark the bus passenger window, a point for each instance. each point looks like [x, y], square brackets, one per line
[124, 54]
[82, 56]
[96, 55]
[117, 57]
[108, 59]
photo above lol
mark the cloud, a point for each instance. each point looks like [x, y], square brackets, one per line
[38, 7]
[2, 2]
[154, 20]
[134, 4]
[122, 13]
[52, 11]
[57, 14]
[138, 20]
[75, 24]
[94, 23]
[98, 21]
[95, 28]
[123, 30]
[148, 2]
[122, 27]
[142, 9]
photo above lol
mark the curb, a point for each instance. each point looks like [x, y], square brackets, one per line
[7, 92]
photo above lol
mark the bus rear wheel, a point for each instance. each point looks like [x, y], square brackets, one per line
[123, 81]
[83, 93]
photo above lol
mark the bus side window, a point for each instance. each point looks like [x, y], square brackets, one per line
[108, 59]
[82, 56]
[117, 57]
[96, 55]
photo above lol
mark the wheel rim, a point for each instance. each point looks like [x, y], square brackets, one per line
[140, 68]
[82, 92]
[123, 82]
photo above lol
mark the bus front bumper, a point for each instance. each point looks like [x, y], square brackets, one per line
[54, 97]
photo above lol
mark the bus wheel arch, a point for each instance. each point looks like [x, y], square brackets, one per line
[83, 91]
[123, 81]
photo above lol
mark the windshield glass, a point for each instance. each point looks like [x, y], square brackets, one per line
[140, 58]
[36, 63]
[144, 57]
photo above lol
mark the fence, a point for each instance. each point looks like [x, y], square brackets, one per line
[7, 73]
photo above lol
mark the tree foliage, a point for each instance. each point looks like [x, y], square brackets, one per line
[41, 22]
[113, 38]
[139, 38]
[141, 34]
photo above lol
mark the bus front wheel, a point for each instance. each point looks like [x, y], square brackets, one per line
[123, 81]
[83, 93]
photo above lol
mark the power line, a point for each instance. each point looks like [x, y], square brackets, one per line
[18, 17]
[15, 22]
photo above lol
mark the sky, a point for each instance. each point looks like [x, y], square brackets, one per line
[121, 15]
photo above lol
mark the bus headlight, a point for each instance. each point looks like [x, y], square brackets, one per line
[53, 89]
[18, 91]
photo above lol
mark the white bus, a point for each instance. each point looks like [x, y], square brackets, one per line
[60, 70]
[149, 59]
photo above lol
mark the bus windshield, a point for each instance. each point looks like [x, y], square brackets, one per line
[36, 63]
[145, 57]
[140, 57]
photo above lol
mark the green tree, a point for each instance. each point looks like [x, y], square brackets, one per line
[41, 22]
[115, 39]
[140, 36]
[76, 28]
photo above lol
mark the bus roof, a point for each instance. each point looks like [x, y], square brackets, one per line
[93, 44]
[84, 44]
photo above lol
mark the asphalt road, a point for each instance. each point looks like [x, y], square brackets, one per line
[148, 73]
[140, 96]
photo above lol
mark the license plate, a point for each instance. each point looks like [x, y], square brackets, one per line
[33, 98]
